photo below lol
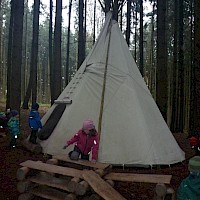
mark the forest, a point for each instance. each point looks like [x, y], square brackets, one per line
[43, 44]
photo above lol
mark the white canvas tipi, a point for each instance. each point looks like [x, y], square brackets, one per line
[133, 130]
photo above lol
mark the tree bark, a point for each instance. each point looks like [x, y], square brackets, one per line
[68, 44]
[15, 86]
[161, 80]
[9, 54]
[81, 46]
[57, 51]
[141, 39]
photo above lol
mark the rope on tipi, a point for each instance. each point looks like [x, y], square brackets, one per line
[104, 87]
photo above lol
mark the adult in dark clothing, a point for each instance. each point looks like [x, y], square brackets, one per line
[34, 122]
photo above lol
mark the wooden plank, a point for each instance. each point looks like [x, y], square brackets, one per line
[51, 181]
[101, 187]
[52, 168]
[48, 193]
[145, 178]
[97, 165]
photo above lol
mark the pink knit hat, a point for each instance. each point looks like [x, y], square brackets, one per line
[88, 124]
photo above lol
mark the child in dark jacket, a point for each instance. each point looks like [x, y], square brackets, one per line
[34, 122]
[86, 140]
[13, 125]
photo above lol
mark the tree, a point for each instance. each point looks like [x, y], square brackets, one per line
[128, 22]
[68, 44]
[9, 54]
[141, 39]
[161, 80]
[174, 114]
[195, 108]
[15, 84]
[32, 85]
[51, 51]
[81, 42]
[57, 51]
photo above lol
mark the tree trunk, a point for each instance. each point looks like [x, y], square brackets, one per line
[152, 56]
[141, 39]
[51, 65]
[94, 21]
[24, 62]
[174, 73]
[34, 50]
[15, 86]
[180, 71]
[196, 102]
[32, 85]
[135, 37]
[68, 44]
[81, 49]
[128, 22]
[9, 57]
[57, 51]
[161, 80]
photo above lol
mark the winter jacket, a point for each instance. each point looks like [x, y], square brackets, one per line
[34, 120]
[13, 124]
[189, 188]
[86, 143]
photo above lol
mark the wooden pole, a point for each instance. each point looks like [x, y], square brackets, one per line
[25, 185]
[72, 185]
[22, 173]
[25, 196]
[82, 188]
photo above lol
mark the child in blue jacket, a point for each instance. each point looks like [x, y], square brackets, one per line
[13, 125]
[34, 122]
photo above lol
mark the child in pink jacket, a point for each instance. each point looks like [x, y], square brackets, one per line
[87, 140]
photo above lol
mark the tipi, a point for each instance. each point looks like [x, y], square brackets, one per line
[109, 89]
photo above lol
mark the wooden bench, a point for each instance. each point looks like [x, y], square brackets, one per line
[101, 187]
[86, 163]
[145, 178]
[161, 190]
[52, 168]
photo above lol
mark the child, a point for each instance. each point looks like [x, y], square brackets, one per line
[34, 122]
[87, 140]
[13, 124]
[189, 187]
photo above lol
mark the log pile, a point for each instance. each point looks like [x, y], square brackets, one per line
[82, 180]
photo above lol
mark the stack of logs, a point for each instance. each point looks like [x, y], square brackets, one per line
[83, 180]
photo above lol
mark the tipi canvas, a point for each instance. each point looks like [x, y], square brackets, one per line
[109, 89]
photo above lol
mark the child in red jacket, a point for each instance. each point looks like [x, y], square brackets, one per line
[86, 140]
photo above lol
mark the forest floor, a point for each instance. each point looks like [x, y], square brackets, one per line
[10, 162]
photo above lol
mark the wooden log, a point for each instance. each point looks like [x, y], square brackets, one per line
[25, 196]
[87, 163]
[52, 168]
[171, 192]
[143, 178]
[94, 197]
[81, 188]
[70, 197]
[72, 185]
[52, 161]
[35, 148]
[48, 193]
[160, 191]
[22, 173]
[24, 186]
[101, 187]
[111, 182]
[51, 181]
